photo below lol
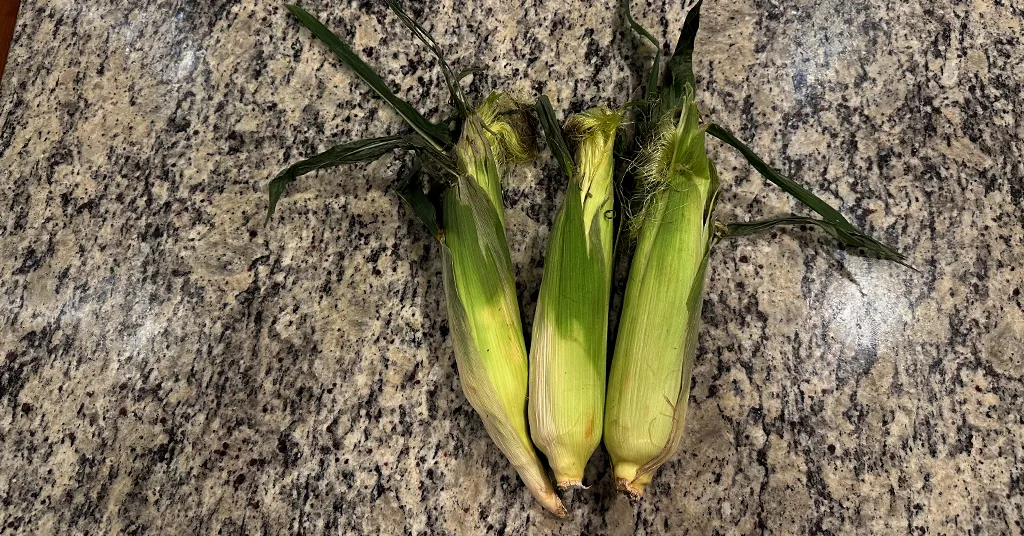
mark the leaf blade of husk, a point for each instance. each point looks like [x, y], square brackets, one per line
[450, 78]
[410, 189]
[437, 135]
[553, 134]
[680, 66]
[366, 150]
[486, 329]
[650, 90]
[845, 232]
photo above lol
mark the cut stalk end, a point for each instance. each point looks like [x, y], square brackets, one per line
[634, 490]
[627, 481]
[567, 468]
[570, 485]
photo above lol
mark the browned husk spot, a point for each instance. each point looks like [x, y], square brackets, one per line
[635, 493]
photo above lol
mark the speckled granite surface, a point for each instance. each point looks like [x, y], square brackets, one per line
[171, 367]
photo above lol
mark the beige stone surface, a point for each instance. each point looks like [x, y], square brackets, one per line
[170, 366]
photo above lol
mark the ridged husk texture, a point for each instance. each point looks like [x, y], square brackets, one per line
[568, 357]
[483, 312]
[649, 382]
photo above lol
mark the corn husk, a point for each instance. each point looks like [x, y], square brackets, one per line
[483, 311]
[677, 187]
[570, 330]
[649, 382]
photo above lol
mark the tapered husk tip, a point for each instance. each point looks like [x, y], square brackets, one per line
[552, 503]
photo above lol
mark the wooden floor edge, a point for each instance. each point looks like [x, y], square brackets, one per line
[8, 16]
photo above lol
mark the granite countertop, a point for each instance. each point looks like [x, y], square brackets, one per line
[170, 366]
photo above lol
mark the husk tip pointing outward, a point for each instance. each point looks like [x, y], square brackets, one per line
[553, 504]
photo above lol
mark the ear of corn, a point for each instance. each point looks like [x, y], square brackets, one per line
[482, 308]
[570, 330]
[649, 383]
[483, 312]
[656, 345]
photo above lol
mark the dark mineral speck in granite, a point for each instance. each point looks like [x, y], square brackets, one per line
[167, 357]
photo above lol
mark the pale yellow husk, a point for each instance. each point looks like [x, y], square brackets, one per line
[570, 331]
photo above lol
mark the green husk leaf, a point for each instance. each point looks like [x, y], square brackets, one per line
[463, 73]
[568, 357]
[650, 91]
[661, 307]
[679, 86]
[694, 304]
[450, 78]
[410, 188]
[680, 66]
[346, 153]
[842, 229]
[437, 135]
[553, 134]
[486, 330]
[738, 229]
[568, 354]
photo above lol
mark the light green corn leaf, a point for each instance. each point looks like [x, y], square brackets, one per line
[347, 153]
[437, 135]
[580, 263]
[593, 134]
[469, 212]
[844, 231]
[476, 162]
[482, 283]
[575, 269]
[476, 376]
[580, 241]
